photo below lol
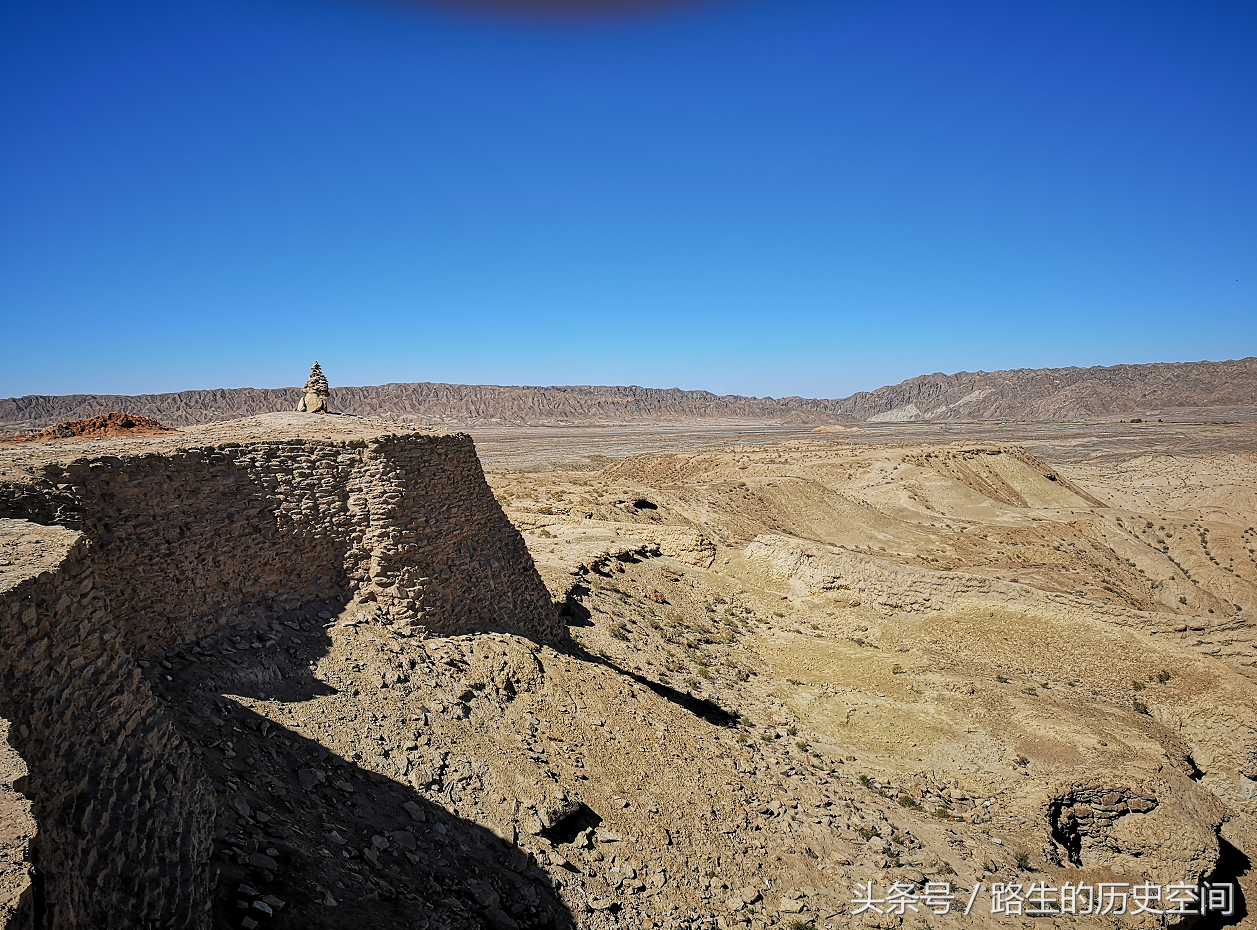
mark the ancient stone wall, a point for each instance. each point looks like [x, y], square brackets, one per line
[191, 540]
[176, 543]
[24, 501]
[437, 551]
[124, 820]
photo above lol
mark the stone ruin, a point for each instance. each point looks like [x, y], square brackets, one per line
[114, 558]
[316, 392]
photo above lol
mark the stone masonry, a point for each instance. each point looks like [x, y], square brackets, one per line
[166, 540]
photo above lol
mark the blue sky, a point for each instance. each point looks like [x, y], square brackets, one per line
[765, 197]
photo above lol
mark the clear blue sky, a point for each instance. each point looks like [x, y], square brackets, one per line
[758, 197]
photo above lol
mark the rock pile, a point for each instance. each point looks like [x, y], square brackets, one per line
[106, 426]
[317, 391]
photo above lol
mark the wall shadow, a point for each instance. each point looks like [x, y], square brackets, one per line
[707, 709]
[176, 547]
[315, 836]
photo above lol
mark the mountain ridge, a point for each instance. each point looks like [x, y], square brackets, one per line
[1026, 394]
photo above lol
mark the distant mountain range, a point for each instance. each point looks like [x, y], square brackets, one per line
[1048, 394]
[1179, 389]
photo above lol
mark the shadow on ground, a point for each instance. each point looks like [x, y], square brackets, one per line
[318, 839]
[1232, 863]
[700, 707]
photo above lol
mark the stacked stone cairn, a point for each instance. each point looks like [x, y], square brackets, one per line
[314, 400]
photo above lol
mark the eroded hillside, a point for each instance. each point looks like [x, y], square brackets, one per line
[992, 642]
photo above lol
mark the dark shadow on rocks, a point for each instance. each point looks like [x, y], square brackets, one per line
[315, 836]
[573, 611]
[1232, 863]
[700, 707]
[571, 826]
[177, 546]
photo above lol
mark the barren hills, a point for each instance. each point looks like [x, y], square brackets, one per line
[1176, 390]
[1058, 394]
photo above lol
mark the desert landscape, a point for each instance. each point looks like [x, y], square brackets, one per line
[769, 465]
[327, 670]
